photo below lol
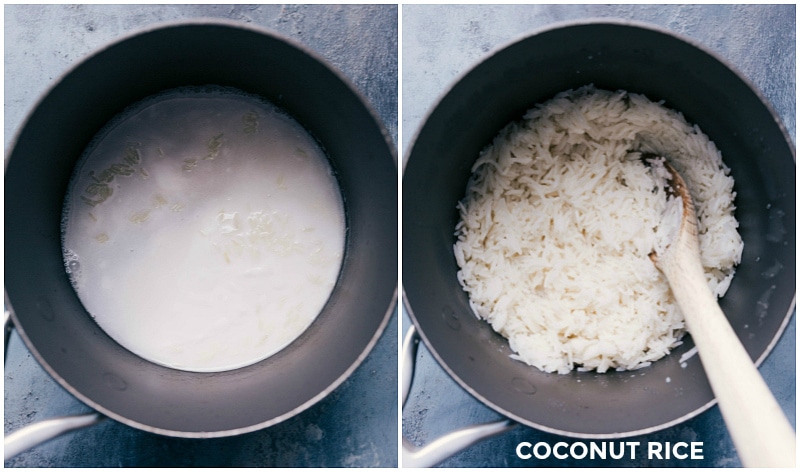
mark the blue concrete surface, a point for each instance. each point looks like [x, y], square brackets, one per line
[357, 424]
[439, 43]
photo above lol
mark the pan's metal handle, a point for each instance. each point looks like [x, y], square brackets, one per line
[451, 443]
[42, 431]
[8, 326]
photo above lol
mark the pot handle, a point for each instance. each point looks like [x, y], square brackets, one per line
[8, 325]
[451, 443]
[42, 431]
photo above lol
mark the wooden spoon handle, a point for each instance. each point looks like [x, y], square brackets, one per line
[760, 431]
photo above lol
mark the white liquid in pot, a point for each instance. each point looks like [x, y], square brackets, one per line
[204, 231]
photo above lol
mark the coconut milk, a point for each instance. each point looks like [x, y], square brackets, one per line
[204, 230]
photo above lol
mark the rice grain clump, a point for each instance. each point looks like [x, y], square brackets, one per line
[560, 216]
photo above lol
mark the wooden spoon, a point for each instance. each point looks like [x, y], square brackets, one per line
[761, 433]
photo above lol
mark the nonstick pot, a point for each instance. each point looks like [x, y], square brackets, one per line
[611, 55]
[56, 327]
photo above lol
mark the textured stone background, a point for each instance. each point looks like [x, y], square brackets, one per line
[356, 425]
[439, 44]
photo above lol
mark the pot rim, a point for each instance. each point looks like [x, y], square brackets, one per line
[497, 50]
[318, 58]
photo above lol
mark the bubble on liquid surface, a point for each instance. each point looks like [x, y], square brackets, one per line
[72, 266]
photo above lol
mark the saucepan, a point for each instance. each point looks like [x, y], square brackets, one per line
[50, 318]
[615, 55]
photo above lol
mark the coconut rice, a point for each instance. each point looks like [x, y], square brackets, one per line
[560, 216]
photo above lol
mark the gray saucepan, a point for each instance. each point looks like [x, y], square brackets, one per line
[612, 55]
[49, 316]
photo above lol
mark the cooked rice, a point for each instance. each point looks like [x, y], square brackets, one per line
[559, 218]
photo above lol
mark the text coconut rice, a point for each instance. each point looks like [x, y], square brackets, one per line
[560, 216]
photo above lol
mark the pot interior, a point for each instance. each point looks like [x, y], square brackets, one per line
[51, 319]
[611, 56]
